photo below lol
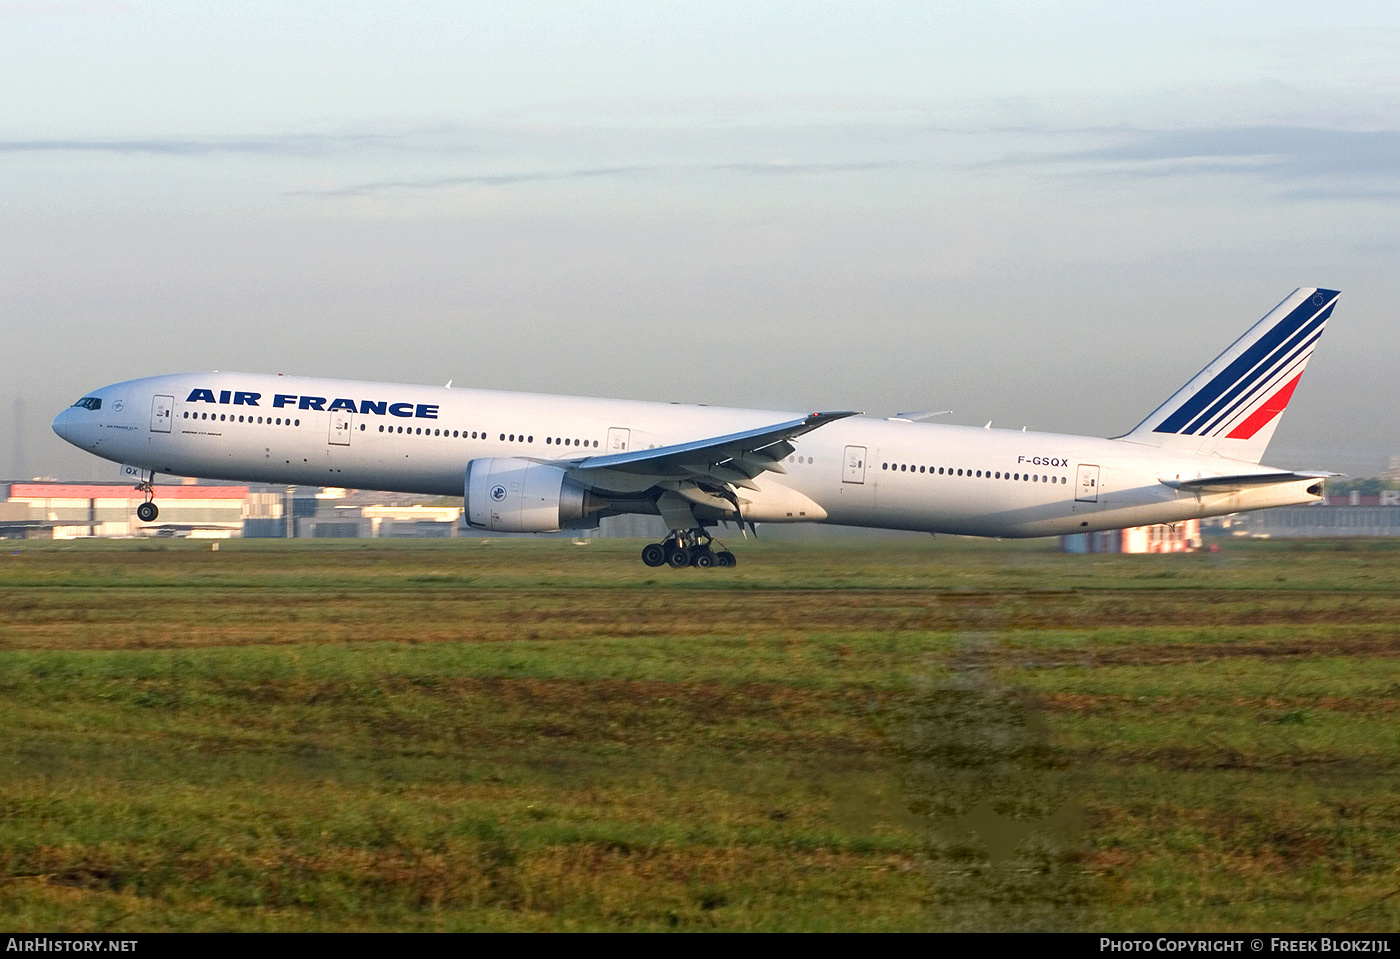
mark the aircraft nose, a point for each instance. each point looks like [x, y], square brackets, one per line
[64, 427]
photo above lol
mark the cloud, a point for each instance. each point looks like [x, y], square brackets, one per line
[1280, 152]
[290, 145]
[784, 168]
[428, 184]
[1323, 193]
[47, 8]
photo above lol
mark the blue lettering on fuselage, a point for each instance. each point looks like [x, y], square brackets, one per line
[422, 411]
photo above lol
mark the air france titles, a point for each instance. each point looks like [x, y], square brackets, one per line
[422, 411]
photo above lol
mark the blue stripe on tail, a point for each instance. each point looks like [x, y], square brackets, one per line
[1251, 367]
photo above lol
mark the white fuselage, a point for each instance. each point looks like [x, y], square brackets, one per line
[858, 471]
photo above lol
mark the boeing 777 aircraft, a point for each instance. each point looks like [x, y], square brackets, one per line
[538, 463]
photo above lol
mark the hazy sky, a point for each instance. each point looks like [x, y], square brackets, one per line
[1043, 214]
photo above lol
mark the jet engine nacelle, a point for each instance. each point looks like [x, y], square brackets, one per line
[511, 495]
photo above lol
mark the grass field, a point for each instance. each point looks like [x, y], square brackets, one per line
[909, 734]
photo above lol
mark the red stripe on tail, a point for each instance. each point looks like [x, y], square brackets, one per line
[1272, 407]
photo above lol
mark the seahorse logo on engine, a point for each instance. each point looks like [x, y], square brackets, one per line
[498, 493]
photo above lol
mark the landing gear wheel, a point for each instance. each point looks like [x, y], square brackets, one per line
[147, 512]
[687, 547]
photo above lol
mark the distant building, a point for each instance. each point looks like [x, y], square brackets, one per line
[1181, 538]
[79, 510]
[1346, 514]
[1392, 472]
[73, 510]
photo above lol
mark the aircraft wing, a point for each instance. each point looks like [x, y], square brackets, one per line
[1226, 484]
[735, 458]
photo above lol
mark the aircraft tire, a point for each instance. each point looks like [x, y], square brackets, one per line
[703, 559]
[678, 557]
[654, 554]
[147, 512]
[726, 558]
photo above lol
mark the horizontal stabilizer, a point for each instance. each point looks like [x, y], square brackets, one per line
[1226, 484]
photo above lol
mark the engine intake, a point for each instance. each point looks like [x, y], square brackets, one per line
[511, 495]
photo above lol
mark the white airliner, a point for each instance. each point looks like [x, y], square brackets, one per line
[538, 463]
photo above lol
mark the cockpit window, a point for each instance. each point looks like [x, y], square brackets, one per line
[90, 403]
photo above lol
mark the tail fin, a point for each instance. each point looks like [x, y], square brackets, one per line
[1232, 407]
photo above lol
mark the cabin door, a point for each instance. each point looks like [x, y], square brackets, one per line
[340, 427]
[161, 407]
[854, 471]
[1086, 489]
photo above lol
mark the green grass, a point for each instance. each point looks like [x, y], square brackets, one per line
[914, 734]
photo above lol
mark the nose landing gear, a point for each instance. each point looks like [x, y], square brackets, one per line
[147, 511]
[687, 547]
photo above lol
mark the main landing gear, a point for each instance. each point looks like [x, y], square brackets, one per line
[687, 547]
[147, 511]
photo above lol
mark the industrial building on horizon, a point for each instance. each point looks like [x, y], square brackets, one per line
[191, 510]
[213, 510]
